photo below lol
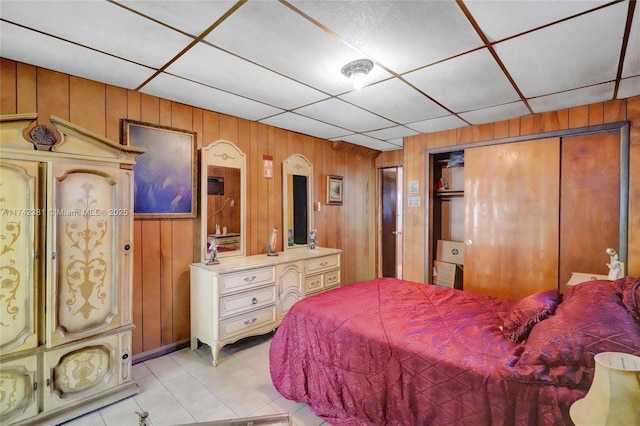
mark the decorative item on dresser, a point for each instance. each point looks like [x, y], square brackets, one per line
[66, 270]
[248, 296]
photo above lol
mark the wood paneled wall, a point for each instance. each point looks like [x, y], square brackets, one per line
[415, 148]
[165, 248]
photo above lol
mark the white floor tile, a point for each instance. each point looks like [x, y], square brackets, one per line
[91, 419]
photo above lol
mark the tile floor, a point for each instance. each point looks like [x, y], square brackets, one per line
[184, 387]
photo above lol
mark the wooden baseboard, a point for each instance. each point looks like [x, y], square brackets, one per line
[162, 350]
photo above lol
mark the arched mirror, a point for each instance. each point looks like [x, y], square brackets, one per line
[222, 198]
[297, 201]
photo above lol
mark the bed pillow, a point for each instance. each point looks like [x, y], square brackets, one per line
[590, 319]
[631, 295]
[528, 312]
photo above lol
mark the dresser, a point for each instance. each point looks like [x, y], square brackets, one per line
[249, 296]
[66, 264]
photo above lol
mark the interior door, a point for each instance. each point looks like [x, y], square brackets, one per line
[590, 203]
[391, 219]
[511, 218]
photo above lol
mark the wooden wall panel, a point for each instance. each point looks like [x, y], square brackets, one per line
[182, 232]
[151, 304]
[137, 297]
[87, 104]
[116, 109]
[161, 267]
[9, 82]
[27, 99]
[165, 285]
[53, 96]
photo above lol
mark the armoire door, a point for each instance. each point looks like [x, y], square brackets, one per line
[511, 218]
[21, 213]
[89, 248]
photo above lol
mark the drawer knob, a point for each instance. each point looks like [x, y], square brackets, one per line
[324, 263]
[254, 301]
[249, 279]
[251, 321]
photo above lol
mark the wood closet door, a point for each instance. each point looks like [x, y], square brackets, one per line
[590, 203]
[511, 218]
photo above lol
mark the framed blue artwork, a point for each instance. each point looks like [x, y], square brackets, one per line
[165, 175]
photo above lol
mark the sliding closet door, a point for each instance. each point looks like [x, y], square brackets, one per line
[511, 218]
[590, 203]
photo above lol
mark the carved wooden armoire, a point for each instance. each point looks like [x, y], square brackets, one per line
[66, 218]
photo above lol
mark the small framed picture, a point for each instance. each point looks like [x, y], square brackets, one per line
[413, 186]
[334, 190]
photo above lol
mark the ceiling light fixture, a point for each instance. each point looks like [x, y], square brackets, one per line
[356, 71]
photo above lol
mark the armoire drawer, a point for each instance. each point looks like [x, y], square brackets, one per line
[325, 263]
[238, 303]
[247, 279]
[244, 322]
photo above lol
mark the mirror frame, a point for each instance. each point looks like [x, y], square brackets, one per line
[222, 153]
[296, 164]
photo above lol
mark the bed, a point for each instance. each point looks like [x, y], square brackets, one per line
[394, 352]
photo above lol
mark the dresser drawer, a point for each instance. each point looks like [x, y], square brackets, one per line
[320, 282]
[247, 301]
[314, 266]
[312, 284]
[245, 322]
[245, 280]
[331, 279]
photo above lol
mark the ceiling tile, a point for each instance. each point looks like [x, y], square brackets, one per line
[213, 67]
[192, 17]
[437, 124]
[369, 142]
[583, 96]
[501, 19]
[344, 115]
[496, 113]
[57, 55]
[305, 125]
[400, 35]
[272, 35]
[632, 59]
[567, 55]
[190, 93]
[102, 26]
[465, 83]
[392, 133]
[395, 144]
[629, 87]
[395, 100]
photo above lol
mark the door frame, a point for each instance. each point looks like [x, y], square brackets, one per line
[623, 127]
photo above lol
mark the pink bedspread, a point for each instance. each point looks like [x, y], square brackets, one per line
[392, 352]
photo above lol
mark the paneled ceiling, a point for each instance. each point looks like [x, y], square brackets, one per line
[437, 64]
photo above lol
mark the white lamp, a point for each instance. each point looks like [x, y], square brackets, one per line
[356, 71]
[614, 395]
